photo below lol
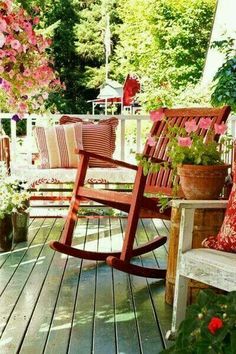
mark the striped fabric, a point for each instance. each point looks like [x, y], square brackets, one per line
[57, 145]
[99, 138]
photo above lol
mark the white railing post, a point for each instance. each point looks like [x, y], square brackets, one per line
[13, 140]
[29, 138]
[138, 137]
[122, 139]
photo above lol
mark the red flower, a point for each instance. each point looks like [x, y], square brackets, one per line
[215, 324]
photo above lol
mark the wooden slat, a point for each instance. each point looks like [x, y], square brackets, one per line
[83, 321]
[28, 279]
[52, 303]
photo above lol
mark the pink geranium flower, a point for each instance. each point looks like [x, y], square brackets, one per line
[36, 20]
[2, 40]
[27, 72]
[156, 115]
[184, 142]
[151, 140]
[3, 25]
[190, 126]
[205, 123]
[220, 128]
[15, 44]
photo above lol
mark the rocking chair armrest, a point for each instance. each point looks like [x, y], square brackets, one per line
[107, 159]
[199, 204]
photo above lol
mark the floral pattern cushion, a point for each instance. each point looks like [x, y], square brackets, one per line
[226, 238]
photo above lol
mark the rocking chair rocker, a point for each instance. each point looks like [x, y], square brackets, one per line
[136, 204]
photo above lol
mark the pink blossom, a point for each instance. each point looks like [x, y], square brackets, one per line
[184, 142]
[157, 115]
[27, 26]
[27, 73]
[2, 40]
[30, 83]
[3, 25]
[220, 128]
[16, 27]
[190, 126]
[22, 107]
[1, 69]
[151, 140]
[205, 123]
[2, 54]
[36, 20]
[6, 85]
[15, 44]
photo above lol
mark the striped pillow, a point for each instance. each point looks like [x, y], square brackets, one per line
[98, 138]
[57, 145]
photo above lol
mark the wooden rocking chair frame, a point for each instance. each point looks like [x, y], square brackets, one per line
[136, 204]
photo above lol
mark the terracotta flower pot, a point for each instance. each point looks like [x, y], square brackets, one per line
[202, 182]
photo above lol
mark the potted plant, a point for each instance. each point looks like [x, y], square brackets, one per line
[14, 203]
[209, 326]
[198, 161]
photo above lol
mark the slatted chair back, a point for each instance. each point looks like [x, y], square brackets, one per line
[163, 180]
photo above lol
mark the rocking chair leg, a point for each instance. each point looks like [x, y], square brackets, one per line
[123, 262]
[71, 219]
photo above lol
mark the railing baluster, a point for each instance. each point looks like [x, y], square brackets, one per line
[138, 137]
[122, 139]
[13, 140]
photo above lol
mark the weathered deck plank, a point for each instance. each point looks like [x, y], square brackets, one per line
[51, 303]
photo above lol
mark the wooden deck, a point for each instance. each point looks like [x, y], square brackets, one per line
[54, 304]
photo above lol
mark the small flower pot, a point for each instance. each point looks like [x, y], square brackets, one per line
[20, 222]
[202, 182]
[6, 234]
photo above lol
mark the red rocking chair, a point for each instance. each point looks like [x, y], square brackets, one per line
[136, 204]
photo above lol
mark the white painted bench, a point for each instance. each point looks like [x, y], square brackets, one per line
[212, 267]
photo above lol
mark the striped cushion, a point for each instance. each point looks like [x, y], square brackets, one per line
[57, 145]
[98, 138]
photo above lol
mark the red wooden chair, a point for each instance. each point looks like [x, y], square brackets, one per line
[136, 204]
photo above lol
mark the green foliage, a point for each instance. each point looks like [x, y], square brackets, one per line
[224, 81]
[163, 41]
[194, 96]
[194, 335]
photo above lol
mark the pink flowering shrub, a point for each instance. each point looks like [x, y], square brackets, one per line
[26, 74]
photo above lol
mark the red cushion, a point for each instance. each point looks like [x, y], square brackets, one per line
[226, 238]
[97, 137]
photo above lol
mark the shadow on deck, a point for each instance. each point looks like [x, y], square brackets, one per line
[51, 303]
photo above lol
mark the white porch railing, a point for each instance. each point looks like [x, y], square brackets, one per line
[27, 145]
[122, 147]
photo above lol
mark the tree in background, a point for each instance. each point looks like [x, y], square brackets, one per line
[163, 41]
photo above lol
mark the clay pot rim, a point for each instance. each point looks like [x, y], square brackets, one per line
[202, 167]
